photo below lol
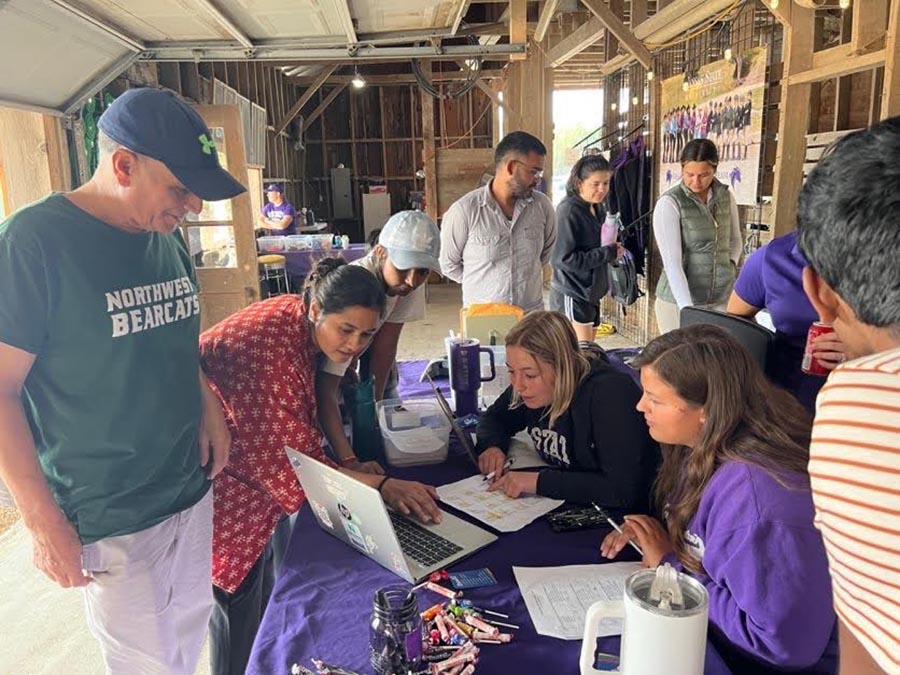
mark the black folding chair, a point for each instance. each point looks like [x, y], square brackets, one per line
[757, 339]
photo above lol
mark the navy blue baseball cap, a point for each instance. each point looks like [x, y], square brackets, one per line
[274, 187]
[159, 124]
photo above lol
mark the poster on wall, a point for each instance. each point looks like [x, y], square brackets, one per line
[723, 103]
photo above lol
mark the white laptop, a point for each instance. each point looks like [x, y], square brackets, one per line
[355, 513]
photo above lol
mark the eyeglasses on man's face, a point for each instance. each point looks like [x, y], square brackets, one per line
[535, 171]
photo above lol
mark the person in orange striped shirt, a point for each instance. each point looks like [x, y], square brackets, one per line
[849, 223]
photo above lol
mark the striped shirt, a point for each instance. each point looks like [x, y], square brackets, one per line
[854, 469]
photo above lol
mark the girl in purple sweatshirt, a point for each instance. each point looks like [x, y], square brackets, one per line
[735, 493]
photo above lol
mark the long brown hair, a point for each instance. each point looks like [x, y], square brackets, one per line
[549, 337]
[747, 420]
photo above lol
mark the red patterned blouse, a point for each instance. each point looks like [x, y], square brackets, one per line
[261, 362]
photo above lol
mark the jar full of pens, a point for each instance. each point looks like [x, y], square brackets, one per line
[395, 633]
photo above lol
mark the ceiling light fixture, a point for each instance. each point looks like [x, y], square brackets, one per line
[358, 81]
[650, 75]
[773, 4]
[728, 54]
[844, 4]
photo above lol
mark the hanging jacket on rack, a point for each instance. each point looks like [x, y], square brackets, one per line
[629, 196]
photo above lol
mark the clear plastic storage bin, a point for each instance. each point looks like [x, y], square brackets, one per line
[415, 431]
[297, 242]
[270, 244]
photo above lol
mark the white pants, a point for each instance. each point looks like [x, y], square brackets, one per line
[668, 316]
[151, 597]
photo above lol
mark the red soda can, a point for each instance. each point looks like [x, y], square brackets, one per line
[810, 363]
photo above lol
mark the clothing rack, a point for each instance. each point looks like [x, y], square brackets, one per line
[600, 128]
[610, 135]
[625, 137]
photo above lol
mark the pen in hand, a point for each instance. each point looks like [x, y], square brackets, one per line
[508, 463]
[605, 515]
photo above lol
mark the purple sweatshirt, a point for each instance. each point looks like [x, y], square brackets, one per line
[766, 571]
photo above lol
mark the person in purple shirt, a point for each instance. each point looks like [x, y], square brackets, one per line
[772, 278]
[735, 493]
[278, 216]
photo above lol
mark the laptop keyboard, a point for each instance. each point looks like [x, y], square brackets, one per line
[420, 544]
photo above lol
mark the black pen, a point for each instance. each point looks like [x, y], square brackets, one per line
[604, 514]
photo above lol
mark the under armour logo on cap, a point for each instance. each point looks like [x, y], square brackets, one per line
[208, 145]
[159, 124]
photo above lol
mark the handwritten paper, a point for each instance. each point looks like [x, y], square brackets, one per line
[558, 598]
[502, 513]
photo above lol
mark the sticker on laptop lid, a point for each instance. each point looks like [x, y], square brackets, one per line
[321, 514]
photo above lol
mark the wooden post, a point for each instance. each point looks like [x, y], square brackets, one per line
[890, 98]
[24, 154]
[793, 123]
[429, 160]
[868, 20]
[518, 26]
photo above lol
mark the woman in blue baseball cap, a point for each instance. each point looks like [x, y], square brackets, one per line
[406, 253]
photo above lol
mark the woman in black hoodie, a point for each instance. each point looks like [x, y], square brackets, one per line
[579, 259]
[579, 412]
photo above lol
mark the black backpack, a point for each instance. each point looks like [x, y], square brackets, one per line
[623, 281]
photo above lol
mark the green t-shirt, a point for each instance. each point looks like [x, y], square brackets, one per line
[113, 396]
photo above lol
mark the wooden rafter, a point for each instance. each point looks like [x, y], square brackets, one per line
[621, 31]
[459, 12]
[547, 12]
[495, 97]
[848, 66]
[402, 78]
[315, 114]
[308, 94]
[580, 39]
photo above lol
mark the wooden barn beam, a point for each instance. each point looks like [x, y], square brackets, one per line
[547, 12]
[793, 119]
[518, 26]
[323, 106]
[890, 97]
[302, 101]
[576, 42]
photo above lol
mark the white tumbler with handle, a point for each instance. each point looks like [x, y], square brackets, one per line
[664, 631]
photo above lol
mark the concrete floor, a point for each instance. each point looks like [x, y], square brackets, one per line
[44, 626]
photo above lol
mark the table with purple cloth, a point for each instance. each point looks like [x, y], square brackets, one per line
[299, 263]
[322, 601]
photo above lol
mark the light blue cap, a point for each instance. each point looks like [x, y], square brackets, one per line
[412, 241]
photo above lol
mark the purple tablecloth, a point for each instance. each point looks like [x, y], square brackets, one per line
[322, 601]
[409, 386]
[299, 263]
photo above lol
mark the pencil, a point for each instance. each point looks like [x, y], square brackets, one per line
[604, 514]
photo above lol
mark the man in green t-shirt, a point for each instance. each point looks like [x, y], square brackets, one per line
[109, 433]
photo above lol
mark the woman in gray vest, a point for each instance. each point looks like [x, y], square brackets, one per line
[699, 237]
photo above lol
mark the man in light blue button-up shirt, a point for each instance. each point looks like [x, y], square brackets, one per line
[496, 239]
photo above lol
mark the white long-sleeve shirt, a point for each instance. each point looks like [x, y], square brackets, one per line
[667, 230]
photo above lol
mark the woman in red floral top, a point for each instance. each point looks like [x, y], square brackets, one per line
[261, 362]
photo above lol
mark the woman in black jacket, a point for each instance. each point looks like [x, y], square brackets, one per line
[580, 413]
[579, 258]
